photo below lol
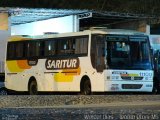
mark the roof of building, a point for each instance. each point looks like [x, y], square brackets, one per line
[99, 18]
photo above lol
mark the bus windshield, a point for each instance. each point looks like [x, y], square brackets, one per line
[128, 52]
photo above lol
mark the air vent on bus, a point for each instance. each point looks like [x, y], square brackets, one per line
[131, 86]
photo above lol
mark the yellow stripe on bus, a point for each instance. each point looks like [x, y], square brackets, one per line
[17, 65]
[13, 66]
[18, 38]
[61, 77]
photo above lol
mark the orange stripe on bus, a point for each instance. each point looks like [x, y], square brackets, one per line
[23, 64]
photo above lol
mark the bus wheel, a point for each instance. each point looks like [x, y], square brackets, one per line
[33, 88]
[155, 87]
[155, 90]
[86, 88]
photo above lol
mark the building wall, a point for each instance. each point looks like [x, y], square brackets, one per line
[132, 25]
[60, 25]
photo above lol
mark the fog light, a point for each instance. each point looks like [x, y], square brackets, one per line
[114, 87]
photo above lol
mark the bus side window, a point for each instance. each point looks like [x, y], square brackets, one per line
[33, 49]
[71, 46]
[81, 45]
[62, 46]
[66, 46]
[10, 50]
[50, 47]
[41, 48]
[100, 65]
[19, 50]
[97, 52]
[93, 53]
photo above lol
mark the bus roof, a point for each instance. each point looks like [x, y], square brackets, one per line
[119, 31]
[85, 32]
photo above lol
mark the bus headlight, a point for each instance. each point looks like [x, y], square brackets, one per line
[115, 77]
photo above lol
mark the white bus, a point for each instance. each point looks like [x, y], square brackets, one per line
[86, 62]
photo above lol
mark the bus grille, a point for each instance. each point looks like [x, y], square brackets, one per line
[131, 86]
[131, 78]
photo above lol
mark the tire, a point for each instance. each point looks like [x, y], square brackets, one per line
[3, 91]
[155, 87]
[33, 88]
[155, 90]
[86, 88]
